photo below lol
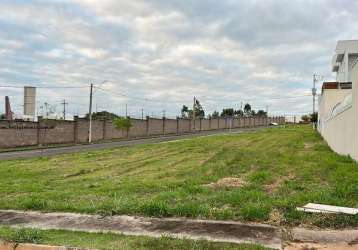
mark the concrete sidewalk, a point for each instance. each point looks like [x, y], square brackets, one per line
[96, 146]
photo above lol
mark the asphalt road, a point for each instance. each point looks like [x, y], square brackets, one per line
[95, 146]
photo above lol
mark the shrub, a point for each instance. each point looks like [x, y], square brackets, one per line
[122, 122]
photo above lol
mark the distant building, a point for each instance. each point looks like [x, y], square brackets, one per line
[29, 103]
[338, 103]
[8, 112]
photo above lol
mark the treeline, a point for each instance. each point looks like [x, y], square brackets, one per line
[186, 112]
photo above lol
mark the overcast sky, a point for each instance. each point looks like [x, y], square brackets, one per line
[167, 51]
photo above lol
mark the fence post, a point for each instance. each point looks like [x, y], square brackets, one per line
[75, 129]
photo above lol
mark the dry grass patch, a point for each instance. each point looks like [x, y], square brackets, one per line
[227, 182]
[273, 187]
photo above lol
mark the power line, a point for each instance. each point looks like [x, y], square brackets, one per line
[134, 97]
[44, 87]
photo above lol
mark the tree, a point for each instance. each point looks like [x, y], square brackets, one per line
[314, 117]
[199, 111]
[102, 115]
[185, 112]
[310, 118]
[239, 113]
[215, 114]
[261, 113]
[227, 112]
[247, 109]
[305, 118]
[2, 116]
[188, 113]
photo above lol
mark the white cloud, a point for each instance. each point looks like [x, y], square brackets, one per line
[169, 51]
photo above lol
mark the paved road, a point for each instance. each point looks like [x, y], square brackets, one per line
[95, 146]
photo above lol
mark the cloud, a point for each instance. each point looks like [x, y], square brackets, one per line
[158, 54]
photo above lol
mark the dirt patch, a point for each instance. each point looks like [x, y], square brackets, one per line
[231, 182]
[271, 188]
[308, 145]
[316, 246]
[25, 246]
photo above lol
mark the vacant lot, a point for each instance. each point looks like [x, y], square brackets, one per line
[260, 176]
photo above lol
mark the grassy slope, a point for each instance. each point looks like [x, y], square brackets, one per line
[111, 241]
[282, 168]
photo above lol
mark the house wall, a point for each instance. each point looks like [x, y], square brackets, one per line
[328, 100]
[341, 131]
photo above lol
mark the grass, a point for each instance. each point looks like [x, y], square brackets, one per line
[111, 241]
[280, 168]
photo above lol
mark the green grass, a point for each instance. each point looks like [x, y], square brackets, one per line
[111, 241]
[281, 168]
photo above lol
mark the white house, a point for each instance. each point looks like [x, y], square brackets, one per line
[338, 103]
[345, 57]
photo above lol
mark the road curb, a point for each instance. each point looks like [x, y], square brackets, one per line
[217, 231]
[212, 230]
[25, 246]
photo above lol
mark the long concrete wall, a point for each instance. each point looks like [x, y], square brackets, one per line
[341, 131]
[44, 132]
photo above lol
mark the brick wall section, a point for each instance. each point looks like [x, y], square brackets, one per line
[50, 135]
[205, 124]
[170, 126]
[184, 126]
[16, 134]
[138, 129]
[155, 126]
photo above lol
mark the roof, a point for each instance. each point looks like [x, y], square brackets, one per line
[336, 85]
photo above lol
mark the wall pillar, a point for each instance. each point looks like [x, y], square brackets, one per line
[75, 129]
[147, 125]
[38, 133]
[163, 125]
[177, 125]
[104, 129]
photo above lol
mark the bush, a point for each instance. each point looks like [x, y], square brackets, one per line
[122, 123]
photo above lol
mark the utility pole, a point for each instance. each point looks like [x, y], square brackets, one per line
[90, 115]
[316, 77]
[314, 93]
[126, 110]
[194, 101]
[46, 109]
[64, 103]
[142, 114]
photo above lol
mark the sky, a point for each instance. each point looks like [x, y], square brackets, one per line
[156, 55]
